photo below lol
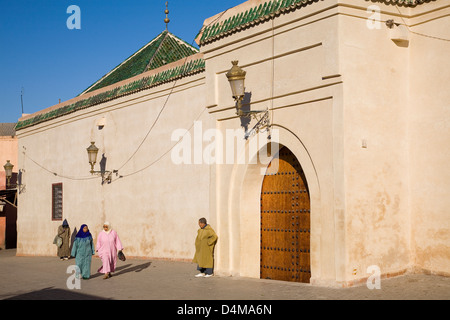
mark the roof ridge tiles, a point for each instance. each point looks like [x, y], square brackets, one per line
[176, 70]
[261, 11]
[156, 52]
[151, 56]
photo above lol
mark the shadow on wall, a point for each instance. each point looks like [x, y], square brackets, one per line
[245, 121]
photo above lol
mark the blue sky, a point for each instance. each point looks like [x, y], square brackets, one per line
[40, 54]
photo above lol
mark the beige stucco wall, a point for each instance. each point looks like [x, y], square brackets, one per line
[344, 98]
[8, 151]
[343, 92]
[292, 69]
[429, 127]
[390, 107]
[154, 208]
[377, 215]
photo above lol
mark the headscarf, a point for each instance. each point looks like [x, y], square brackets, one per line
[81, 234]
[65, 223]
[109, 227]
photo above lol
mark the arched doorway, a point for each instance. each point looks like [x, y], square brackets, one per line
[285, 221]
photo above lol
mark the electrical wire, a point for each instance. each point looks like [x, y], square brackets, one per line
[147, 134]
[417, 33]
[168, 97]
[153, 125]
[166, 152]
[273, 70]
[57, 174]
[170, 94]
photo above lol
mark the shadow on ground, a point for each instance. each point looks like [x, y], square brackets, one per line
[125, 269]
[54, 294]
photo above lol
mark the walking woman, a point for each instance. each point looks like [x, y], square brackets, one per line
[108, 243]
[83, 250]
[64, 234]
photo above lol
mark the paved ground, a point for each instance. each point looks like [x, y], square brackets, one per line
[39, 278]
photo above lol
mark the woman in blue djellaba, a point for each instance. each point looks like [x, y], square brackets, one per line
[83, 249]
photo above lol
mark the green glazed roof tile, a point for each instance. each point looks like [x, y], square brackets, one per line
[164, 49]
[263, 12]
[187, 69]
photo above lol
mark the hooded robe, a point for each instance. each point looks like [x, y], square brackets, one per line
[204, 247]
[64, 234]
[83, 250]
[108, 243]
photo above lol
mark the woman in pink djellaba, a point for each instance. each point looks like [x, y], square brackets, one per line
[108, 243]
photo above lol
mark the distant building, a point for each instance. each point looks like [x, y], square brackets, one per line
[8, 193]
[357, 102]
[8, 149]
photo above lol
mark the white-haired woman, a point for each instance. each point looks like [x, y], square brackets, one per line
[108, 243]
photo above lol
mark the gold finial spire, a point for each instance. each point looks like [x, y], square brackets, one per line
[167, 20]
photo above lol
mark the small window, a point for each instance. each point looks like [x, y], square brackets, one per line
[57, 201]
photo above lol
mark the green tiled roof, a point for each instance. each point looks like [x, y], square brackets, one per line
[164, 49]
[249, 18]
[264, 12]
[190, 68]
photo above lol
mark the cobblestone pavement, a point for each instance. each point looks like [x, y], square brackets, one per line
[44, 278]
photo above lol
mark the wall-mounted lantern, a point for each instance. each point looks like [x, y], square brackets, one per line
[236, 78]
[8, 170]
[92, 151]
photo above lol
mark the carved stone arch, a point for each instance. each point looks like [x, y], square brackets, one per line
[244, 206]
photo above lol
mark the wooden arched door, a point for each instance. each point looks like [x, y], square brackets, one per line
[285, 221]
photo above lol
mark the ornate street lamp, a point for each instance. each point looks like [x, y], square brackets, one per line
[236, 78]
[92, 151]
[8, 169]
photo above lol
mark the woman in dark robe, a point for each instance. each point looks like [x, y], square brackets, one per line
[64, 234]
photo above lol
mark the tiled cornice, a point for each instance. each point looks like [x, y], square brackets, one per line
[264, 12]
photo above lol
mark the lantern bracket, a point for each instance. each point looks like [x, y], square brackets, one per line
[262, 122]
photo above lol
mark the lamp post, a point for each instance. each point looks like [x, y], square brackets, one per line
[8, 169]
[236, 78]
